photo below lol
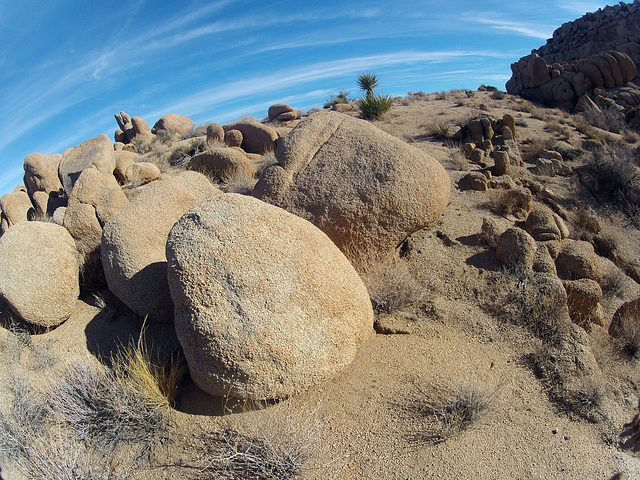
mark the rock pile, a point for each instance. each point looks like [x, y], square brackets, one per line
[588, 61]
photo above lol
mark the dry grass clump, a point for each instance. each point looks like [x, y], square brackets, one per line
[448, 412]
[439, 130]
[532, 148]
[238, 182]
[393, 285]
[92, 422]
[614, 177]
[182, 154]
[279, 447]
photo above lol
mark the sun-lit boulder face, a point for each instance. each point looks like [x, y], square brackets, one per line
[172, 122]
[96, 151]
[16, 206]
[124, 160]
[516, 247]
[256, 137]
[39, 272]
[233, 138]
[266, 306]
[140, 128]
[222, 162]
[96, 199]
[364, 188]
[41, 172]
[141, 173]
[215, 134]
[577, 259]
[282, 112]
[133, 243]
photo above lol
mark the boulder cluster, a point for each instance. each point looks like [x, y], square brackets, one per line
[591, 62]
[542, 244]
[264, 300]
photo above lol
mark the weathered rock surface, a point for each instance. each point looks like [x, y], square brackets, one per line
[516, 247]
[133, 243]
[364, 188]
[39, 272]
[282, 112]
[257, 316]
[96, 151]
[256, 137]
[577, 260]
[41, 172]
[16, 206]
[626, 320]
[222, 162]
[172, 122]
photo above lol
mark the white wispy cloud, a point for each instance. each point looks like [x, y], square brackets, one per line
[534, 30]
[282, 79]
[579, 7]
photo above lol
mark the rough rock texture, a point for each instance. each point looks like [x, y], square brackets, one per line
[215, 134]
[364, 188]
[233, 138]
[96, 151]
[516, 247]
[95, 200]
[282, 112]
[41, 172]
[173, 122]
[133, 243]
[140, 127]
[626, 320]
[599, 50]
[576, 260]
[257, 316]
[141, 173]
[222, 162]
[16, 206]
[541, 225]
[583, 297]
[256, 137]
[39, 272]
[124, 160]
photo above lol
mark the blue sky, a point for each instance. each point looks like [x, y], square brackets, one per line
[67, 66]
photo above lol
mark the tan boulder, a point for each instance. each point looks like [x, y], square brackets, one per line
[509, 121]
[478, 181]
[258, 317]
[96, 151]
[516, 247]
[124, 160]
[256, 137]
[233, 138]
[172, 122]
[39, 272]
[41, 172]
[541, 224]
[140, 127]
[222, 162]
[215, 134]
[583, 301]
[133, 243]
[141, 173]
[16, 206]
[577, 260]
[282, 112]
[626, 320]
[364, 188]
[627, 67]
[502, 163]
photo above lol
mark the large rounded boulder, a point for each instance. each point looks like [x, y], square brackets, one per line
[39, 272]
[364, 188]
[133, 243]
[266, 305]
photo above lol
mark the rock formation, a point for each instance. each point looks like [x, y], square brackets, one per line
[257, 316]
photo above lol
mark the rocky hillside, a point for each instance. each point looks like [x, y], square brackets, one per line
[589, 64]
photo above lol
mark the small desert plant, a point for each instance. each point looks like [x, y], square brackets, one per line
[238, 182]
[181, 155]
[614, 177]
[448, 412]
[440, 130]
[367, 82]
[393, 285]
[341, 97]
[470, 93]
[141, 144]
[372, 107]
[498, 95]
[441, 95]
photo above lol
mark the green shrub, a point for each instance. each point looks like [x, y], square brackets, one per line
[368, 82]
[372, 107]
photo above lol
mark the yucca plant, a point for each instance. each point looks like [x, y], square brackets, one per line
[368, 82]
[372, 107]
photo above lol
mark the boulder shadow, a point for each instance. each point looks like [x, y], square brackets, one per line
[485, 260]
[115, 327]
